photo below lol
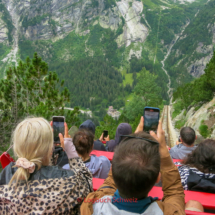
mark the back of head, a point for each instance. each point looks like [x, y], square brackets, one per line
[188, 135]
[136, 165]
[203, 157]
[89, 125]
[33, 140]
[122, 129]
[83, 141]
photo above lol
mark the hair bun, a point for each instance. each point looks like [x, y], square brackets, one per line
[83, 141]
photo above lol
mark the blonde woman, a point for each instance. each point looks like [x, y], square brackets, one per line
[31, 186]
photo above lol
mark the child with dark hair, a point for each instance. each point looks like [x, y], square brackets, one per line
[198, 169]
[136, 166]
[83, 142]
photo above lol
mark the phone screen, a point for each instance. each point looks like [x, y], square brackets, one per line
[105, 133]
[58, 127]
[151, 119]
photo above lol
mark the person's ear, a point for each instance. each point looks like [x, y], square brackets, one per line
[196, 137]
[158, 178]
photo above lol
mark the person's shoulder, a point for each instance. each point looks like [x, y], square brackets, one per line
[98, 145]
[174, 148]
[7, 173]
[55, 172]
[103, 159]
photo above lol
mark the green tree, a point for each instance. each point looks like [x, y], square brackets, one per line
[210, 73]
[30, 89]
[200, 90]
[146, 93]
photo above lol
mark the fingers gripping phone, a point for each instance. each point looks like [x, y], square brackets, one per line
[151, 118]
[58, 127]
[105, 133]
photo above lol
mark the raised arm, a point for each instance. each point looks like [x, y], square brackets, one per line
[75, 162]
[171, 182]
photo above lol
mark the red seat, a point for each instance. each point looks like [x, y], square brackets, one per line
[109, 155]
[206, 199]
[197, 213]
[176, 160]
[97, 182]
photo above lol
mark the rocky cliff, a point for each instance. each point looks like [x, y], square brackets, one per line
[73, 29]
[201, 119]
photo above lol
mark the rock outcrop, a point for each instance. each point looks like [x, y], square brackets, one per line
[3, 30]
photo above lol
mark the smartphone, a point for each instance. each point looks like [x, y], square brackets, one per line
[151, 118]
[105, 133]
[58, 127]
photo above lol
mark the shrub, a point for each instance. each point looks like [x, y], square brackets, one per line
[203, 130]
[179, 124]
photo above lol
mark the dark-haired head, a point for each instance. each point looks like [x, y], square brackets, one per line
[188, 135]
[203, 157]
[136, 166]
[83, 141]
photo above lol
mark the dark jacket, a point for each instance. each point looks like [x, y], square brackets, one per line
[202, 183]
[98, 145]
[59, 156]
[46, 172]
[122, 129]
[50, 190]
[89, 125]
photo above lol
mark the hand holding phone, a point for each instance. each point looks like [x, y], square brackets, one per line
[58, 127]
[105, 134]
[151, 118]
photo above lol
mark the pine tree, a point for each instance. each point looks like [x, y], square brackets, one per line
[30, 89]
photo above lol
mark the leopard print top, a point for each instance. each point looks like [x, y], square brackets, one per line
[48, 196]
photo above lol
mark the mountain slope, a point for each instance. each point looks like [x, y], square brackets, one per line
[147, 32]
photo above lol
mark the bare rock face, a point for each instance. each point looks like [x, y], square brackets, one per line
[134, 31]
[196, 69]
[3, 30]
[110, 18]
[47, 19]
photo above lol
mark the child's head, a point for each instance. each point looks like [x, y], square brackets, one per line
[136, 166]
[83, 141]
[32, 140]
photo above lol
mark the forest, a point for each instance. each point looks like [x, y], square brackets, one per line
[93, 83]
[198, 91]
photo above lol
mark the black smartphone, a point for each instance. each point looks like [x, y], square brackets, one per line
[58, 127]
[151, 118]
[105, 133]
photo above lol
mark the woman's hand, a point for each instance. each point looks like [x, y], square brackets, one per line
[107, 138]
[102, 138]
[67, 144]
[66, 135]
